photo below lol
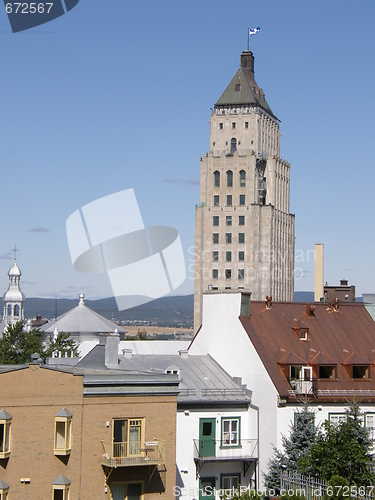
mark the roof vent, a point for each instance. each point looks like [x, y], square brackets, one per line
[268, 302]
[310, 309]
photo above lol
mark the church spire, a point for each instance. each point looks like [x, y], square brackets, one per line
[13, 298]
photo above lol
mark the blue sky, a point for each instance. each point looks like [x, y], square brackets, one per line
[117, 94]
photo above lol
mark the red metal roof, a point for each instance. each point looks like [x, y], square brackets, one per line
[343, 337]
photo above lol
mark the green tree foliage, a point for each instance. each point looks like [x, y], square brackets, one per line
[63, 343]
[17, 345]
[343, 449]
[295, 448]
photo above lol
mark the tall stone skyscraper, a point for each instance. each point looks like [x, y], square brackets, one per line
[244, 233]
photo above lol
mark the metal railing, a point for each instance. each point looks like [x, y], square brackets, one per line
[133, 453]
[307, 387]
[219, 450]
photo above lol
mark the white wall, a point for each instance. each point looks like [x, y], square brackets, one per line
[188, 430]
[223, 337]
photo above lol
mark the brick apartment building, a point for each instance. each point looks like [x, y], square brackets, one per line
[92, 431]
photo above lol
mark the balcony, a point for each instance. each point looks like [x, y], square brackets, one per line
[130, 454]
[305, 387]
[215, 450]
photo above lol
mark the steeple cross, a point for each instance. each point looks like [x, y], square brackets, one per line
[15, 250]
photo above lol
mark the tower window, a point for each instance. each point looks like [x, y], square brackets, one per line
[229, 200]
[215, 256]
[241, 256]
[215, 220]
[233, 145]
[241, 274]
[233, 125]
[228, 238]
[221, 125]
[16, 310]
[215, 274]
[229, 178]
[215, 238]
[241, 237]
[216, 178]
[241, 220]
[228, 256]
[246, 124]
[228, 274]
[242, 199]
[228, 220]
[237, 87]
[216, 200]
[242, 178]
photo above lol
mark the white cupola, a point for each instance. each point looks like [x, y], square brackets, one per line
[13, 298]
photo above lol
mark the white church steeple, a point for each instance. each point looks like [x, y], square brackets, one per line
[13, 298]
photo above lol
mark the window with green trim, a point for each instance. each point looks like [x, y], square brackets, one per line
[336, 418]
[230, 431]
[370, 424]
[230, 481]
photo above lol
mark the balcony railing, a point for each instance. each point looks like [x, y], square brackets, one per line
[133, 453]
[306, 387]
[245, 449]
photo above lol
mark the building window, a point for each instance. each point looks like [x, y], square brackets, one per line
[241, 220]
[241, 256]
[229, 200]
[9, 310]
[216, 200]
[242, 178]
[228, 274]
[63, 432]
[228, 238]
[16, 310]
[242, 199]
[327, 372]
[4, 489]
[221, 125]
[228, 220]
[60, 488]
[233, 125]
[229, 178]
[215, 256]
[241, 237]
[215, 220]
[230, 482]
[215, 274]
[215, 238]
[237, 87]
[233, 145]
[216, 179]
[370, 425]
[246, 124]
[5, 423]
[360, 371]
[336, 418]
[230, 431]
[241, 274]
[228, 256]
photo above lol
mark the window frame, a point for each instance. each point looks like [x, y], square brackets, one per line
[215, 238]
[242, 200]
[239, 256]
[216, 179]
[228, 256]
[229, 178]
[66, 420]
[341, 417]
[334, 372]
[367, 372]
[229, 200]
[215, 220]
[372, 431]
[215, 274]
[238, 431]
[241, 274]
[6, 422]
[228, 220]
[242, 178]
[241, 238]
[228, 274]
[65, 488]
[230, 475]
[216, 200]
[241, 220]
[215, 256]
[4, 490]
[228, 238]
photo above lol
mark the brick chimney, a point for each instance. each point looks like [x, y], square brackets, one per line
[247, 63]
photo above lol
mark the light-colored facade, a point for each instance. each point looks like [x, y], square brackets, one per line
[13, 298]
[244, 233]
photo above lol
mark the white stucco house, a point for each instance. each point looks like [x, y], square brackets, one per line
[288, 352]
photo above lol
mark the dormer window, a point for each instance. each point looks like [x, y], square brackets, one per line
[5, 423]
[4, 489]
[303, 334]
[327, 372]
[361, 371]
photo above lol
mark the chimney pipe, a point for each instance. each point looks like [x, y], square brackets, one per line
[111, 350]
[319, 272]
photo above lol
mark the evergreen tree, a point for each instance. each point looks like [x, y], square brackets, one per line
[17, 345]
[295, 447]
[343, 449]
[64, 344]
